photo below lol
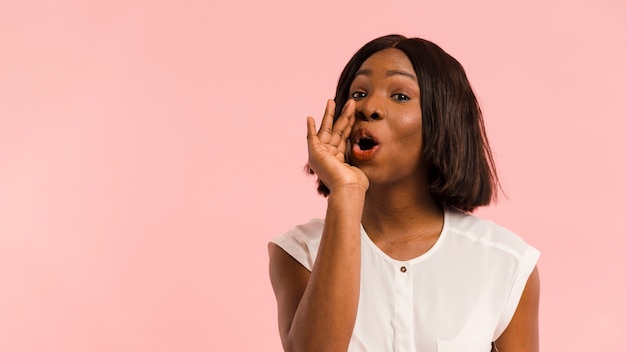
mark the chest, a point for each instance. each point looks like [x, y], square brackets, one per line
[406, 250]
[418, 305]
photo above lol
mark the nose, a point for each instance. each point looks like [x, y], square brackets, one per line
[369, 108]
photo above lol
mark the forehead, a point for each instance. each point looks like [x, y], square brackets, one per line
[388, 60]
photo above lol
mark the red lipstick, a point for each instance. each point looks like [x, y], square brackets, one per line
[364, 145]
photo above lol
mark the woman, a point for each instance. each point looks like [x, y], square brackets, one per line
[399, 264]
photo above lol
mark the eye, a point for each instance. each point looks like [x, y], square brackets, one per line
[358, 95]
[401, 97]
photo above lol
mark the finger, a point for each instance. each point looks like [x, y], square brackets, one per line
[341, 129]
[326, 128]
[311, 135]
[343, 144]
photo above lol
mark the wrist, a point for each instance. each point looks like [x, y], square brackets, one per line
[353, 192]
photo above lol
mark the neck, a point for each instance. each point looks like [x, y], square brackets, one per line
[401, 213]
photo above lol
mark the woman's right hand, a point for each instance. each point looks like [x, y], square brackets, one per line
[327, 149]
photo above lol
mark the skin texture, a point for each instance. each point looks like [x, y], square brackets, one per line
[387, 193]
[522, 334]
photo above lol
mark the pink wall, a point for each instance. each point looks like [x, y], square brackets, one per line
[149, 150]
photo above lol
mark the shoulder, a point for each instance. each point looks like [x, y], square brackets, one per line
[302, 242]
[505, 261]
[488, 235]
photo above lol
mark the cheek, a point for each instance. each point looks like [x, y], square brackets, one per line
[409, 127]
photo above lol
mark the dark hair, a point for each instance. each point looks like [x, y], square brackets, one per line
[462, 172]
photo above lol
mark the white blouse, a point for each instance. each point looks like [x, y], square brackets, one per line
[458, 296]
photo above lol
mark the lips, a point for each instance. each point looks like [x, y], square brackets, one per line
[364, 145]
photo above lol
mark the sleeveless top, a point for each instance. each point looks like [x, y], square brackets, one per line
[458, 296]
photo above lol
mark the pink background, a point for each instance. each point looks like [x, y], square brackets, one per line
[149, 150]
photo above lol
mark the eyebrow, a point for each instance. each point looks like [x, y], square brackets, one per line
[367, 72]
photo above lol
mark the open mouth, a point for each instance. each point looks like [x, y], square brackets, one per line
[366, 143]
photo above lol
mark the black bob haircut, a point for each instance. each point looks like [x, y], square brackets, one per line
[462, 171]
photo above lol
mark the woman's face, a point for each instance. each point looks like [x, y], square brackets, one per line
[386, 140]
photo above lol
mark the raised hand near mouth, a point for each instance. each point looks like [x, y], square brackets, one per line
[327, 148]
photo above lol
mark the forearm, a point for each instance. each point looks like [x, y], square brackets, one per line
[326, 314]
